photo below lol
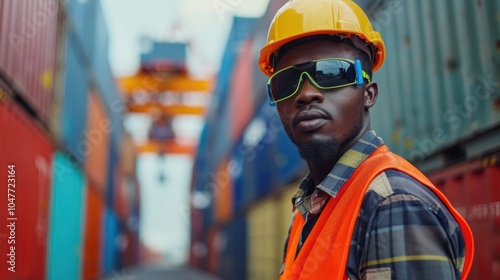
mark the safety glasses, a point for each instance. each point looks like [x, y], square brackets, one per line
[327, 73]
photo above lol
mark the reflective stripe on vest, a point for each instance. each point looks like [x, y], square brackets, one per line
[325, 252]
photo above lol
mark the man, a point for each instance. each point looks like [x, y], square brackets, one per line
[361, 212]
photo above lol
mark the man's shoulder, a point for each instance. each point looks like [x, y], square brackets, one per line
[392, 184]
[401, 190]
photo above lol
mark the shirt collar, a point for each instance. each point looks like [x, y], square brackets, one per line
[340, 172]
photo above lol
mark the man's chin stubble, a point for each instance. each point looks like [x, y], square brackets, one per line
[320, 151]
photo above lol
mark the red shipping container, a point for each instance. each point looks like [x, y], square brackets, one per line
[121, 195]
[213, 250]
[97, 136]
[25, 175]
[28, 45]
[93, 234]
[241, 96]
[198, 250]
[474, 189]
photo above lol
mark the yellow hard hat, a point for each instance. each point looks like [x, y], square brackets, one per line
[302, 18]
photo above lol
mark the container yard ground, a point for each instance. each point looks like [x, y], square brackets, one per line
[160, 272]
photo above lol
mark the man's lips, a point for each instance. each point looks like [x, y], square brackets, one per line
[310, 120]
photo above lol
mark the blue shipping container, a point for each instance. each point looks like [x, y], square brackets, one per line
[103, 76]
[80, 18]
[233, 256]
[65, 240]
[215, 143]
[110, 249]
[73, 117]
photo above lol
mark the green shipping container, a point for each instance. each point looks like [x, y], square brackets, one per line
[66, 223]
[439, 87]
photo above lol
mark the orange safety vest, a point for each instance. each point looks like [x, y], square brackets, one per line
[325, 252]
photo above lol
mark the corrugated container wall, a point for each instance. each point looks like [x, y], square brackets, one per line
[233, 260]
[73, 116]
[81, 16]
[26, 160]
[241, 98]
[93, 242]
[113, 173]
[265, 159]
[222, 190]
[439, 84]
[96, 143]
[198, 248]
[474, 189]
[104, 79]
[111, 232]
[67, 218]
[28, 44]
[215, 141]
[268, 224]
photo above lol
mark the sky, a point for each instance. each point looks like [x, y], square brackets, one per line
[205, 26]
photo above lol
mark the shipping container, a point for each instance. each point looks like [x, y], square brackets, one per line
[93, 242]
[28, 45]
[65, 244]
[265, 249]
[215, 142]
[103, 76]
[26, 163]
[473, 188]
[96, 143]
[80, 16]
[129, 254]
[222, 187]
[214, 238]
[268, 224]
[438, 86]
[113, 177]
[241, 103]
[128, 155]
[286, 209]
[265, 159]
[74, 103]
[234, 249]
[122, 203]
[198, 248]
[111, 234]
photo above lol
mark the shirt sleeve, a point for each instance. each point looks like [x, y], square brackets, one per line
[406, 235]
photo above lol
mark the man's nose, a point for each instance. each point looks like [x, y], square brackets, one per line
[308, 93]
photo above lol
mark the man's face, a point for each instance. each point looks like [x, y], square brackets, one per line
[322, 123]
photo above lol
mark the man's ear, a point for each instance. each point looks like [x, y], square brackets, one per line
[370, 94]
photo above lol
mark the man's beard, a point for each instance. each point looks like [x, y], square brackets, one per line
[320, 151]
[327, 149]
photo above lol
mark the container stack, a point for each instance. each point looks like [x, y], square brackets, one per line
[76, 202]
[437, 107]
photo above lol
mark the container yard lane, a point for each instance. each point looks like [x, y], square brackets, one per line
[11, 218]
[161, 272]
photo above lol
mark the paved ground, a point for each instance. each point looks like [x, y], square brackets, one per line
[159, 272]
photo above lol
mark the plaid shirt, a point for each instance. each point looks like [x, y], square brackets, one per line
[403, 230]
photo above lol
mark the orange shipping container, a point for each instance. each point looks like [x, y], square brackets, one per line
[97, 142]
[128, 155]
[93, 227]
[222, 191]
